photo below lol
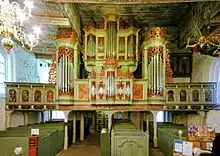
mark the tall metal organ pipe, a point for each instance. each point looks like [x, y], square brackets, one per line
[156, 39]
[111, 36]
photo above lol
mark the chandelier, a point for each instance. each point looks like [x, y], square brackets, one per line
[12, 16]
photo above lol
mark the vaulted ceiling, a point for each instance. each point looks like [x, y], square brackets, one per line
[54, 14]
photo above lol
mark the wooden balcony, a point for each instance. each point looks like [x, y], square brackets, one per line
[179, 96]
[30, 96]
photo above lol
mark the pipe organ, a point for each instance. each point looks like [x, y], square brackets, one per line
[155, 61]
[111, 55]
[67, 60]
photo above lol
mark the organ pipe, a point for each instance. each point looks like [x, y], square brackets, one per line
[65, 73]
[111, 36]
[158, 74]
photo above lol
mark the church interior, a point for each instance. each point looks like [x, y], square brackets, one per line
[109, 77]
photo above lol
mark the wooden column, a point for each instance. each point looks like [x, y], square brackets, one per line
[94, 121]
[147, 121]
[65, 145]
[155, 128]
[74, 127]
[109, 121]
[82, 126]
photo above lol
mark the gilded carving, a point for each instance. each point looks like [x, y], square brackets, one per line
[66, 51]
[52, 72]
[156, 33]
[153, 51]
[68, 34]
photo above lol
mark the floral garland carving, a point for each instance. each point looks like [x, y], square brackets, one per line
[68, 34]
[169, 72]
[153, 51]
[52, 72]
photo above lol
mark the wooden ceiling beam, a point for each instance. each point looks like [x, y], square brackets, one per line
[36, 19]
[118, 2]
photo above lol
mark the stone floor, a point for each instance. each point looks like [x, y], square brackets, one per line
[90, 147]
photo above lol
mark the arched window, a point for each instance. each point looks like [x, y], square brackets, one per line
[2, 73]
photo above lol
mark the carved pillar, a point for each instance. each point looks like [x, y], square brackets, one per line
[8, 119]
[147, 121]
[74, 127]
[82, 126]
[155, 128]
[65, 145]
[25, 118]
[67, 68]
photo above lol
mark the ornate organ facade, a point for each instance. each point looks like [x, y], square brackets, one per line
[112, 52]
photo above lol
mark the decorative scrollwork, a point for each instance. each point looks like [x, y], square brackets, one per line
[66, 51]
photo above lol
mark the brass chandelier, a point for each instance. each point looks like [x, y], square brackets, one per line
[12, 16]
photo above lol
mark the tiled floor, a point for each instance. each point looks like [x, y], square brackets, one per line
[90, 147]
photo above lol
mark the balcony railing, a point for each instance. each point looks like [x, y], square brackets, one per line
[30, 95]
[43, 96]
[191, 93]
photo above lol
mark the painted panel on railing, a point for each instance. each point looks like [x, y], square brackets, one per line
[30, 93]
[195, 93]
